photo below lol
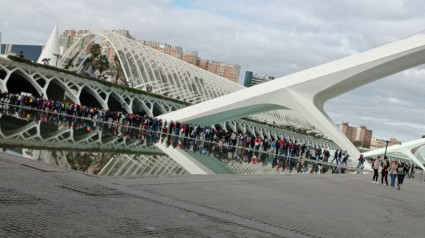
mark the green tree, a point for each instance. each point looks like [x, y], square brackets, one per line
[83, 162]
[102, 63]
[100, 162]
[95, 50]
[116, 71]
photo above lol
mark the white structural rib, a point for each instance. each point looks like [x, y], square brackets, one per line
[405, 149]
[51, 49]
[306, 92]
[171, 77]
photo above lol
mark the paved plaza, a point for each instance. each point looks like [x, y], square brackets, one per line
[38, 200]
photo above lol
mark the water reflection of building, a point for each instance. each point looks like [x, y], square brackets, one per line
[108, 164]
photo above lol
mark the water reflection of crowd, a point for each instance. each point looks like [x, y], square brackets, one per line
[281, 154]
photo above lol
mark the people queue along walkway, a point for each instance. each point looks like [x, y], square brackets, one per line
[280, 153]
[396, 170]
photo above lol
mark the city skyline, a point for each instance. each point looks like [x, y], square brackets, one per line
[274, 38]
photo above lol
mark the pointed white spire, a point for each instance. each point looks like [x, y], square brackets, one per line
[51, 49]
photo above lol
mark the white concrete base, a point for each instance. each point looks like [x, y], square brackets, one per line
[193, 167]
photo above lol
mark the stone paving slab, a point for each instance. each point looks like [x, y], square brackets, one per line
[38, 200]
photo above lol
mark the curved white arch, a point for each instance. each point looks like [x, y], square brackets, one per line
[28, 78]
[65, 87]
[175, 78]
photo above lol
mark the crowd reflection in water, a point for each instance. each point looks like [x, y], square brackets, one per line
[281, 154]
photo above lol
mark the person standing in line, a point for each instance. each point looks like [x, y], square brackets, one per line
[401, 171]
[393, 172]
[339, 156]
[375, 169]
[360, 164]
[361, 161]
[384, 172]
[335, 157]
[412, 171]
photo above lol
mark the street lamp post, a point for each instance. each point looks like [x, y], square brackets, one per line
[386, 145]
[58, 56]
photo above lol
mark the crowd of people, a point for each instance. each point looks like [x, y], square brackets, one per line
[396, 170]
[279, 153]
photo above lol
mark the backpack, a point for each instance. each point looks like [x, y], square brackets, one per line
[400, 170]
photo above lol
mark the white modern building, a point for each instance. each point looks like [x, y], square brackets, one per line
[295, 100]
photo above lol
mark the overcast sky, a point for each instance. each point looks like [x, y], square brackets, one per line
[267, 37]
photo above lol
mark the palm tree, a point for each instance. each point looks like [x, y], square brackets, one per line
[95, 50]
[100, 162]
[116, 71]
[102, 63]
[46, 61]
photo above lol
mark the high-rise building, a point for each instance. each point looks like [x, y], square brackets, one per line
[252, 79]
[394, 141]
[360, 135]
[67, 38]
[227, 71]
[191, 57]
[175, 51]
[70, 37]
[376, 143]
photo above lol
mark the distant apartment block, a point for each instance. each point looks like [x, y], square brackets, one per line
[252, 79]
[175, 51]
[380, 143]
[191, 57]
[358, 135]
[227, 71]
[71, 37]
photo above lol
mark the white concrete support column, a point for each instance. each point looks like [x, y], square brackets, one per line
[307, 91]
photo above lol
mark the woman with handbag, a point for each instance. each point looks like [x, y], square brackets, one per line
[393, 172]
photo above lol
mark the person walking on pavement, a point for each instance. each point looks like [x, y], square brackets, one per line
[375, 169]
[393, 172]
[412, 171]
[384, 172]
[401, 172]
